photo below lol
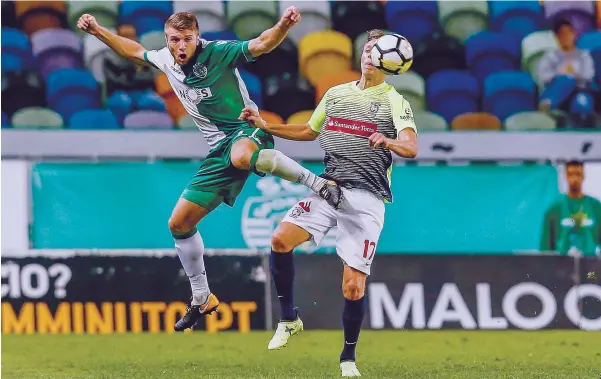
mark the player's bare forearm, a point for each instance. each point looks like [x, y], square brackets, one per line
[294, 132]
[122, 46]
[404, 149]
[273, 37]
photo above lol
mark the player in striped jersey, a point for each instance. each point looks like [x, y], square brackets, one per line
[359, 125]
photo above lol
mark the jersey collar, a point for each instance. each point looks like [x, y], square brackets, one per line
[355, 87]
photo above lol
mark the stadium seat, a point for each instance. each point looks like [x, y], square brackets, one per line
[489, 52]
[148, 120]
[527, 121]
[16, 50]
[5, 121]
[154, 40]
[316, 17]
[301, 117]
[105, 12]
[462, 19]
[216, 35]
[330, 80]
[38, 15]
[437, 52]
[278, 90]
[186, 123]
[9, 17]
[534, 46]
[429, 122]
[253, 86]
[509, 92]
[282, 59]
[249, 19]
[519, 18]
[598, 15]
[145, 16]
[324, 52]
[94, 53]
[72, 90]
[37, 117]
[590, 41]
[210, 14]
[580, 14]
[412, 19]
[93, 119]
[271, 117]
[476, 121]
[355, 17]
[413, 88]
[22, 89]
[56, 49]
[452, 92]
[175, 107]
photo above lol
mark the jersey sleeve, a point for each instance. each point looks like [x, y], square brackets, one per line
[154, 57]
[233, 53]
[402, 115]
[318, 116]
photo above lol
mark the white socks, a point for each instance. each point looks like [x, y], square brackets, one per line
[275, 163]
[190, 251]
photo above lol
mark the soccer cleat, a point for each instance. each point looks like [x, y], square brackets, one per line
[349, 368]
[285, 330]
[194, 312]
[332, 193]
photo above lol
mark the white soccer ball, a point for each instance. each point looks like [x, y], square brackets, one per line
[392, 54]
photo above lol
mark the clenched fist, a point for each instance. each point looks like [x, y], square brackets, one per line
[253, 118]
[88, 23]
[290, 17]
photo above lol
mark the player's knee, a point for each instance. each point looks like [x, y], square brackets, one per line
[353, 289]
[179, 225]
[241, 160]
[280, 243]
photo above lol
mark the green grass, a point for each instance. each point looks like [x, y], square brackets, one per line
[312, 354]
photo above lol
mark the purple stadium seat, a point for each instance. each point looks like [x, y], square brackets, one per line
[148, 120]
[580, 14]
[55, 49]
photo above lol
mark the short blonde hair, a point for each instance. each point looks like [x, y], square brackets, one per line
[182, 21]
[374, 34]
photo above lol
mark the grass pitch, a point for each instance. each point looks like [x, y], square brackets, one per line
[312, 354]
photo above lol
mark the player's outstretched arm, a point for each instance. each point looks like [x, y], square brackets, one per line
[271, 38]
[404, 146]
[295, 132]
[122, 46]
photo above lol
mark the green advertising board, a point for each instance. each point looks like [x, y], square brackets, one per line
[436, 209]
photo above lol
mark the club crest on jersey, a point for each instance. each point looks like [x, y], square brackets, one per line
[200, 70]
[374, 108]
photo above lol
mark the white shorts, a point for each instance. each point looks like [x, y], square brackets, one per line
[360, 220]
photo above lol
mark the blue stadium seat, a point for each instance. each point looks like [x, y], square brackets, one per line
[5, 121]
[254, 87]
[451, 93]
[509, 92]
[590, 41]
[489, 52]
[519, 18]
[16, 50]
[71, 90]
[226, 35]
[146, 16]
[93, 119]
[412, 19]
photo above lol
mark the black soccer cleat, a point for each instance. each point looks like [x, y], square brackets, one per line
[332, 193]
[195, 312]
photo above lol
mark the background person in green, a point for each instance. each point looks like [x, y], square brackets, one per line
[573, 223]
[205, 77]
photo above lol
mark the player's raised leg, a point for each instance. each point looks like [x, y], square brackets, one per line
[285, 238]
[353, 290]
[190, 249]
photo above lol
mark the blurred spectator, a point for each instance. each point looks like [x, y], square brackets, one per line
[129, 86]
[567, 76]
[572, 224]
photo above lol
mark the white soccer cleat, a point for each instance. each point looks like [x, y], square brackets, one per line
[285, 330]
[349, 368]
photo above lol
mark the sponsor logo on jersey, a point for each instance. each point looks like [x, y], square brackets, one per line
[358, 128]
[300, 209]
[408, 115]
[176, 70]
[194, 95]
[200, 70]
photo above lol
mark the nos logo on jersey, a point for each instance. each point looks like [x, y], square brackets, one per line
[194, 95]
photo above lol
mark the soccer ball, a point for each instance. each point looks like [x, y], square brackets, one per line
[392, 54]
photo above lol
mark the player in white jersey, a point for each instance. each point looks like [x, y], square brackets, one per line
[359, 125]
[205, 77]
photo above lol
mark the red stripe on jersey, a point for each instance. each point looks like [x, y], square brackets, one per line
[358, 128]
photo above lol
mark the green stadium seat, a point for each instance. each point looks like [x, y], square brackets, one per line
[413, 88]
[105, 12]
[154, 40]
[430, 122]
[249, 19]
[528, 121]
[462, 19]
[186, 123]
[36, 118]
[534, 46]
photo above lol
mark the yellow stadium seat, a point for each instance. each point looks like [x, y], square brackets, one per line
[270, 117]
[334, 79]
[301, 117]
[37, 15]
[324, 52]
[476, 121]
